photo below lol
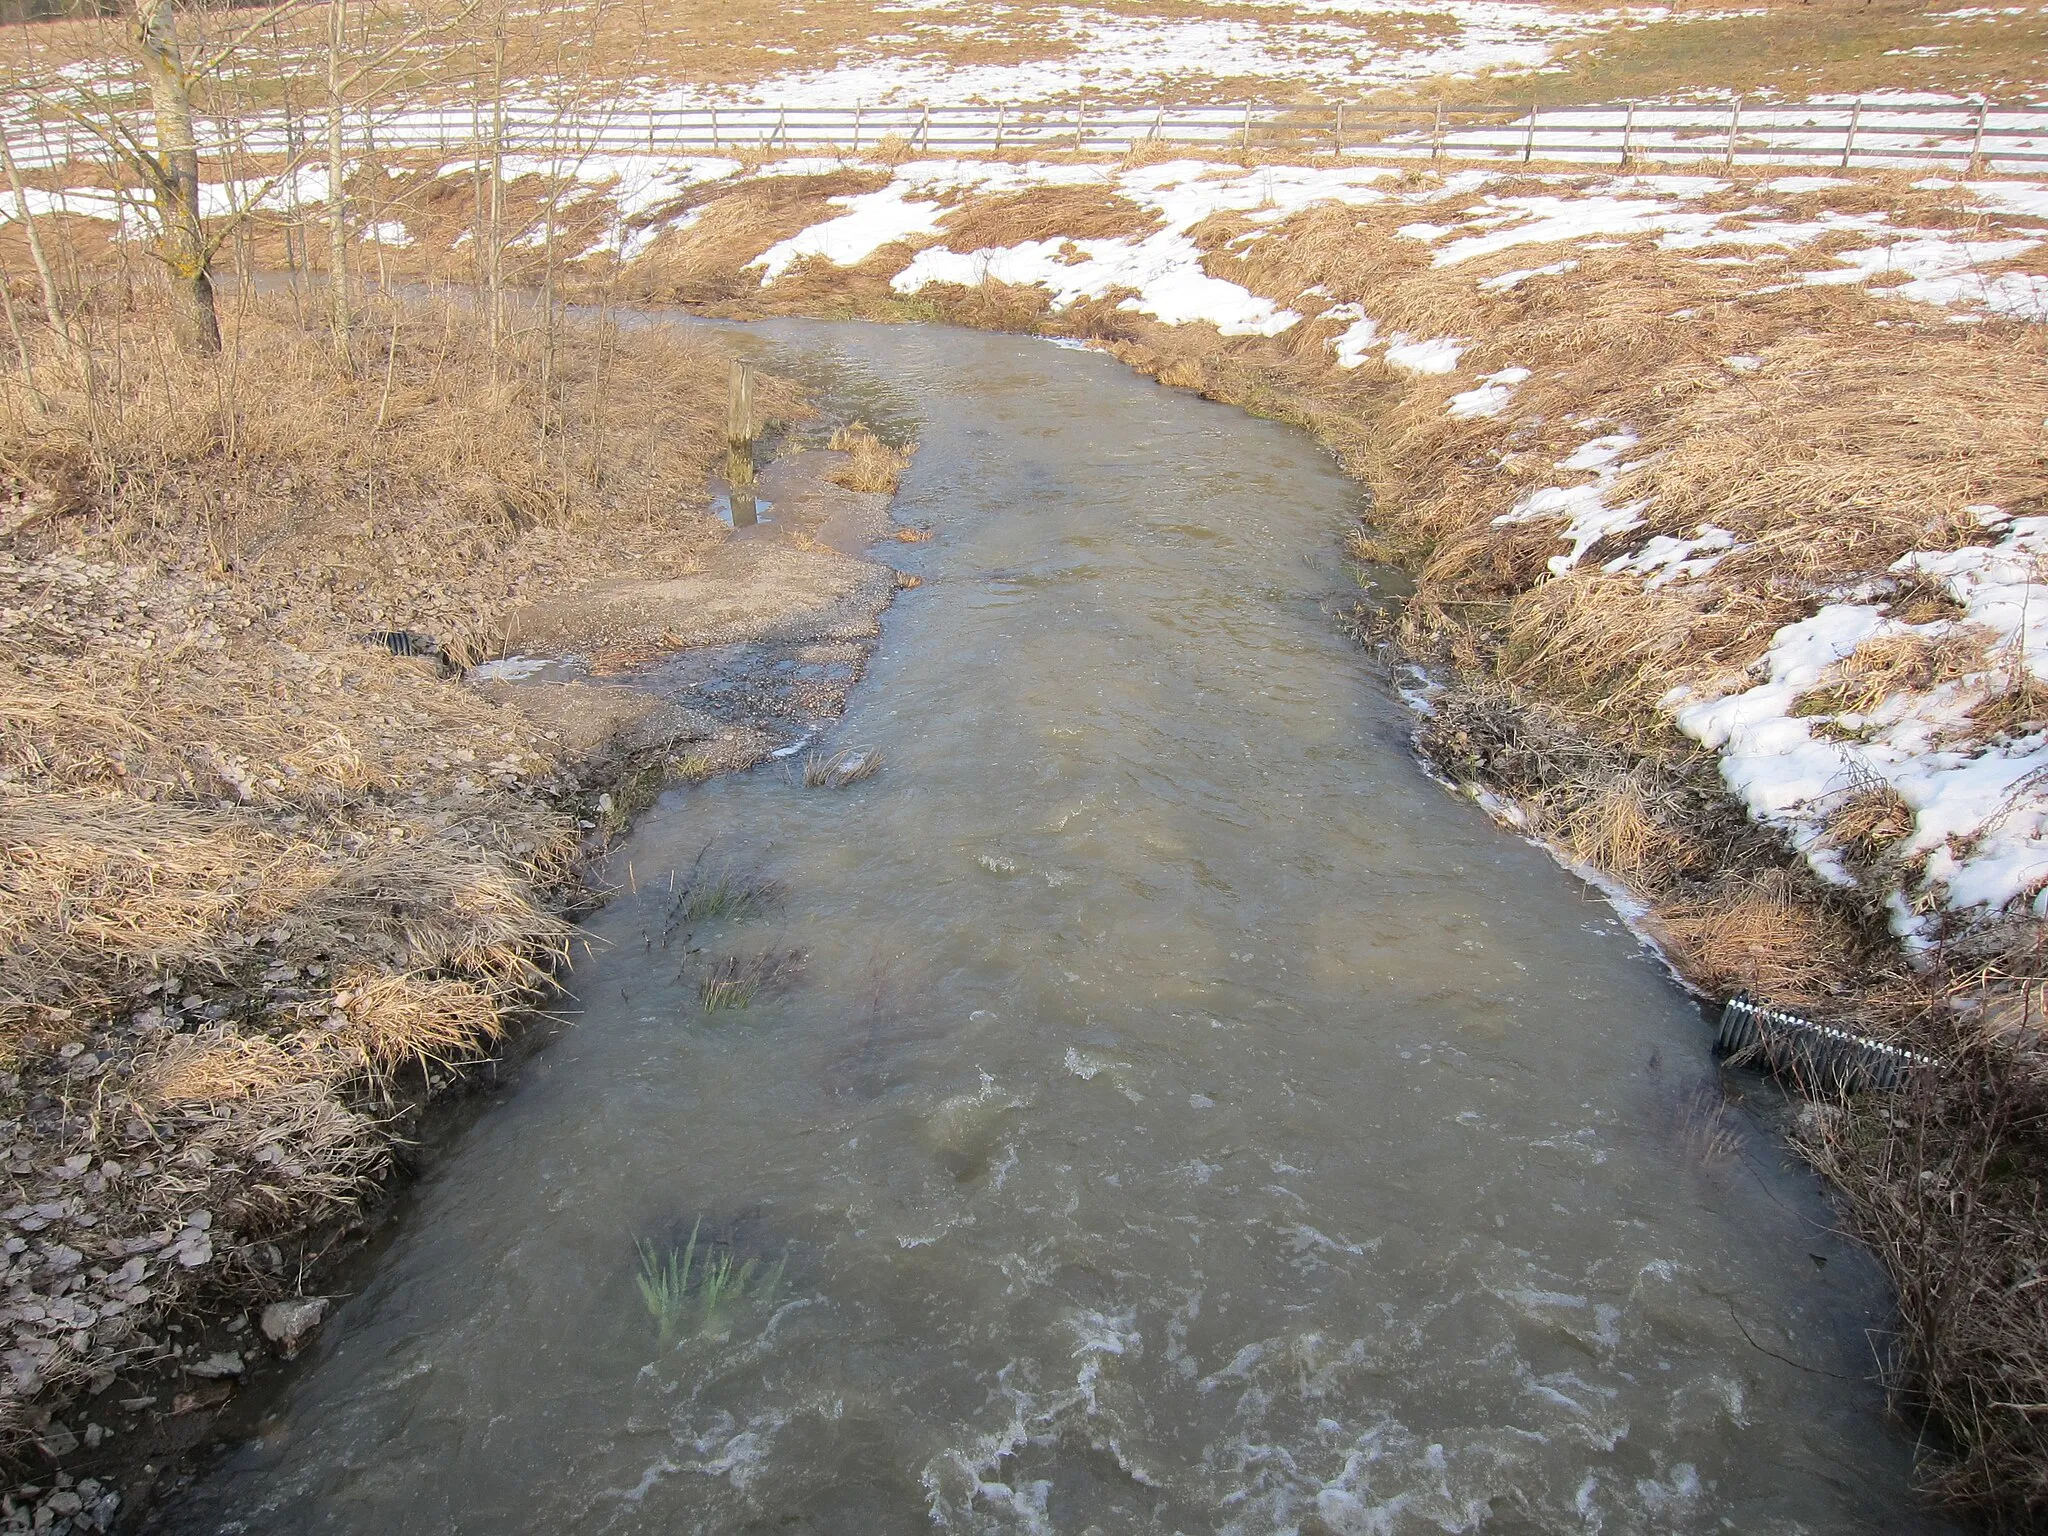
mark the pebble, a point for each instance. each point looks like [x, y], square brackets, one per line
[216, 1366]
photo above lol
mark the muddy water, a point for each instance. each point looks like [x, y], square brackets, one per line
[1190, 1117]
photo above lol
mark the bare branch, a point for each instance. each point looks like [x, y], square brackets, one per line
[228, 49]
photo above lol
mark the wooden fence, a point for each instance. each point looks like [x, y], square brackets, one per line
[1977, 137]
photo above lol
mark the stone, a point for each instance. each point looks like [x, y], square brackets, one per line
[215, 1366]
[285, 1323]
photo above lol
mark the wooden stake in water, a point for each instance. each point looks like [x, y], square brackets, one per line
[739, 445]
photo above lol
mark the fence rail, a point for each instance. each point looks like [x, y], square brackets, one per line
[1976, 136]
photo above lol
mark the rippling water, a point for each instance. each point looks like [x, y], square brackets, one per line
[1190, 1118]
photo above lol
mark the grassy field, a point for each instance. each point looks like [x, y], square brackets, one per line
[1790, 50]
[844, 51]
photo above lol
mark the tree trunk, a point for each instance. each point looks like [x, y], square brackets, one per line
[337, 166]
[181, 237]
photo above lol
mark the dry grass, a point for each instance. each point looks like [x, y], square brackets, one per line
[1617, 828]
[1794, 49]
[838, 770]
[1762, 934]
[1046, 213]
[708, 261]
[874, 465]
[1868, 820]
[1893, 664]
[1947, 1187]
[257, 866]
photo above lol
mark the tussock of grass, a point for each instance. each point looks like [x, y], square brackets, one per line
[1759, 934]
[849, 765]
[1047, 213]
[736, 980]
[874, 466]
[1869, 820]
[692, 1294]
[718, 893]
[1892, 664]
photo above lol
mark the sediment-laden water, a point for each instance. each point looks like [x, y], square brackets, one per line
[1188, 1116]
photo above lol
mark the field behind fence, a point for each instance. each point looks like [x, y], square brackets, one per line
[1972, 137]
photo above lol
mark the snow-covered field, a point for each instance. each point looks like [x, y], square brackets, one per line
[1349, 47]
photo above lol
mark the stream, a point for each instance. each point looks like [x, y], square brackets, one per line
[1187, 1116]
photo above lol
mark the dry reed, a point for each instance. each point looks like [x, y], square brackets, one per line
[873, 465]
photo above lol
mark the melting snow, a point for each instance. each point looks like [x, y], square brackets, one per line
[1980, 817]
[1164, 268]
[871, 221]
[1438, 354]
[1588, 517]
[1492, 395]
[1665, 559]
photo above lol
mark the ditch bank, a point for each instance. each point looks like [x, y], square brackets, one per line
[1185, 1116]
[1720, 497]
[292, 849]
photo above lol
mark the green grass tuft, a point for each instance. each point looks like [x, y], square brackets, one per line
[693, 1297]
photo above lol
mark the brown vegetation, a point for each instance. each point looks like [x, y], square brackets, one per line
[709, 259]
[874, 466]
[260, 873]
[1046, 213]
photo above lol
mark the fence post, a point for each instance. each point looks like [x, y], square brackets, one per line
[1080, 116]
[1628, 134]
[781, 130]
[1529, 138]
[1247, 127]
[739, 445]
[856, 127]
[1337, 131]
[1158, 120]
[714, 128]
[1436, 135]
[1849, 141]
[924, 129]
[1976, 165]
[1734, 128]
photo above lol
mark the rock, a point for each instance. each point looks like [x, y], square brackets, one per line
[285, 1323]
[213, 1367]
[59, 1440]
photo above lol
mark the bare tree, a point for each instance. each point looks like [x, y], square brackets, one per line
[186, 240]
[172, 174]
